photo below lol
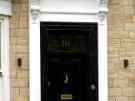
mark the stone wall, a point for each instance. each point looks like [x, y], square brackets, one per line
[121, 45]
[18, 44]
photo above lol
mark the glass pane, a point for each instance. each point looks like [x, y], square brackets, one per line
[72, 40]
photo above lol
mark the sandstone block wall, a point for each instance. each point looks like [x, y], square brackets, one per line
[121, 45]
[18, 44]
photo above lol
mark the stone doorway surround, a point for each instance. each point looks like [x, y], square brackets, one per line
[38, 13]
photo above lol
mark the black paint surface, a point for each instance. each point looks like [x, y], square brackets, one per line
[66, 56]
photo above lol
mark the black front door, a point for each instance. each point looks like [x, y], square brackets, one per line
[69, 67]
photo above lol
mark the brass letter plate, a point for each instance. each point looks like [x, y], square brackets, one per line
[66, 97]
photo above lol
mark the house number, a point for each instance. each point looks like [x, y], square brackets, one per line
[65, 43]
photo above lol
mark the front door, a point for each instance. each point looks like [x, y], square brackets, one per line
[69, 66]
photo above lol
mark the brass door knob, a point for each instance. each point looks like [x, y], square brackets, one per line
[92, 86]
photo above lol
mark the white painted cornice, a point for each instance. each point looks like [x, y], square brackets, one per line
[5, 7]
[103, 10]
[35, 10]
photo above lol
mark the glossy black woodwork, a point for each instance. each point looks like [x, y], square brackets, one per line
[69, 51]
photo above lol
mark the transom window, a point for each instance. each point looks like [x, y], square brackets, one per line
[67, 40]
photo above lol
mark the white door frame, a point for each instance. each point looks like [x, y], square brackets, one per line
[36, 15]
[5, 12]
[5, 80]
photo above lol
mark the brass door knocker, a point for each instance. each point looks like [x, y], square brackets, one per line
[66, 79]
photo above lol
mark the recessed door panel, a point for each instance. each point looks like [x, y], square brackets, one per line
[67, 77]
[69, 66]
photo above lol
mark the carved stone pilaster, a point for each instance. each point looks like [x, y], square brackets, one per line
[35, 9]
[103, 9]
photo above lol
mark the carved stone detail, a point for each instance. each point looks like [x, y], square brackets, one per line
[102, 15]
[35, 9]
[35, 13]
[103, 9]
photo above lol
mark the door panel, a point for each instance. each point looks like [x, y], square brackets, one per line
[67, 76]
[69, 62]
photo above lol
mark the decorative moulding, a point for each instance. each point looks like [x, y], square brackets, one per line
[35, 9]
[102, 15]
[103, 10]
